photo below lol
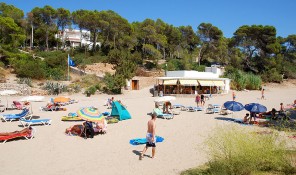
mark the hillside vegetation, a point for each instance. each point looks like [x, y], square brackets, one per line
[254, 53]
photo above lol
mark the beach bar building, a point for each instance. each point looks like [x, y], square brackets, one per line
[192, 82]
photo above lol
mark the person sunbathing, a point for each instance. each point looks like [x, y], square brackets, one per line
[100, 126]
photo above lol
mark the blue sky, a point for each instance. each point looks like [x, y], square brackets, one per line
[227, 15]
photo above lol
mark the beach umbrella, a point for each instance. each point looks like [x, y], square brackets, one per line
[7, 93]
[165, 99]
[255, 107]
[90, 114]
[61, 99]
[32, 98]
[233, 106]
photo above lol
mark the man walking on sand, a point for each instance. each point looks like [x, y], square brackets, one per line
[150, 136]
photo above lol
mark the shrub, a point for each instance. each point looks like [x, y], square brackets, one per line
[149, 65]
[27, 81]
[113, 83]
[89, 80]
[241, 80]
[253, 81]
[92, 90]
[29, 68]
[53, 88]
[234, 150]
[272, 75]
[74, 88]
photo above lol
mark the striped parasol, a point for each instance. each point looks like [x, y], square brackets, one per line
[90, 114]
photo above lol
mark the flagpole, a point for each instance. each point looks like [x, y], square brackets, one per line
[68, 67]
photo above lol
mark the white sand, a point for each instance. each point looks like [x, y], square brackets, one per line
[51, 152]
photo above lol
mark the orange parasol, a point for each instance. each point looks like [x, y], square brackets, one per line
[61, 100]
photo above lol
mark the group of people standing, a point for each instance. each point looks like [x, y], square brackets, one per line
[200, 100]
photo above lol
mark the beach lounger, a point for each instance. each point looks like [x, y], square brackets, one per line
[17, 105]
[225, 111]
[166, 116]
[27, 133]
[11, 117]
[184, 108]
[194, 109]
[28, 123]
[48, 108]
[177, 106]
[160, 114]
[213, 109]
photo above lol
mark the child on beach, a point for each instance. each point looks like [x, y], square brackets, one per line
[150, 136]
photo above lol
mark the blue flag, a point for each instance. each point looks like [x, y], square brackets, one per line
[70, 61]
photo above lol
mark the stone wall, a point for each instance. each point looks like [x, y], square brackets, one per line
[23, 89]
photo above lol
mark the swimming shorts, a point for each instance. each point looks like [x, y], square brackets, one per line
[149, 142]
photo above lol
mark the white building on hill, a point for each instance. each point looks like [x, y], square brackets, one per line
[76, 37]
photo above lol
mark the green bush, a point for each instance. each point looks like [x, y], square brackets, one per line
[200, 68]
[27, 81]
[241, 80]
[149, 65]
[89, 80]
[272, 75]
[29, 69]
[92, 90]
[74, 88]
[237, 151]
[113, 83]
[54, 88]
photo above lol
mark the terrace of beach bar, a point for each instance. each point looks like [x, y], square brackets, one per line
[191, 82]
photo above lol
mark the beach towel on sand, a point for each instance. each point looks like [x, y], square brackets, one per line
[139, 141]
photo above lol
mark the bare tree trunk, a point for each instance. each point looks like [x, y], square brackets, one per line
[199, 56]
[46, 40]
[94, 40]
[114, 41]
[31, 40]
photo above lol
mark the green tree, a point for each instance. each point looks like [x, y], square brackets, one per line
[44, 20]
[256, 42]
[10, 32]
[11, 11]
[63, 20]
[213, 45]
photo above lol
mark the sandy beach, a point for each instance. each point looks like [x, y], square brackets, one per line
[52, 152]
